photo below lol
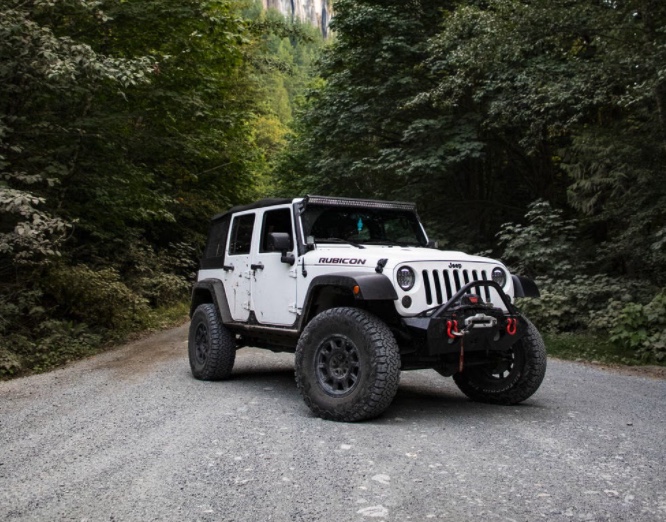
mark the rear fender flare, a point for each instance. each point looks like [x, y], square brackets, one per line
[211, 291]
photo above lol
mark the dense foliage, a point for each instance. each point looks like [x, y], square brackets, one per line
[536, 128]
[478, 108]
[124, 125]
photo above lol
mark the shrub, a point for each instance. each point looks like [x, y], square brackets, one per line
[164, 289]
[10, 362]
[643, 328]
[546, 245]
[573, 298]
[583, 302]
[97, 297]
[162, 277]
[58, 342]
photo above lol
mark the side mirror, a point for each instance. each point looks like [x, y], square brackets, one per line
[432, 244]
[281, 242]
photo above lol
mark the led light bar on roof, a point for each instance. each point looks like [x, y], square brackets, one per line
[357, 203]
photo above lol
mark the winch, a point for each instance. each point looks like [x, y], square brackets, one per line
[468, 323]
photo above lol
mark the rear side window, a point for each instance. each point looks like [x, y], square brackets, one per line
[217, 241]
[241, 235]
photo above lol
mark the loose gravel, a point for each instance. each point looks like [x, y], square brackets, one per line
[130, 435]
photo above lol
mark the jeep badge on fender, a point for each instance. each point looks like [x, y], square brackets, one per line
[353, 288]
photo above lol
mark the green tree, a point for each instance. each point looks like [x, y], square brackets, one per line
[477, 110]
[283, 66]
[123, 127]
[569, 97]
[48, 82]
[351, 138]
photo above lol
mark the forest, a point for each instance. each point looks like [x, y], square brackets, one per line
[533, 131]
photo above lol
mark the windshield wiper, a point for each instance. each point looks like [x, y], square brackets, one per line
[338, 240]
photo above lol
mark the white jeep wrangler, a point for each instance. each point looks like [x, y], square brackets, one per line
[357, 291]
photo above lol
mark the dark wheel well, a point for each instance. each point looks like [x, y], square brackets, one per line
[327, 297]
[200, 296]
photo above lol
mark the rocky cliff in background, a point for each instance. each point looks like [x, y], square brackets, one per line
[315, 12]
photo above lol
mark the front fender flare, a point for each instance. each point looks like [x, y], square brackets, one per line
[524, 287]
[371, 287]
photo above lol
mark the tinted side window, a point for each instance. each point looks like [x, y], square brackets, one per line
[213, 256]
[276, 221]
[217, 239]
[241, 235]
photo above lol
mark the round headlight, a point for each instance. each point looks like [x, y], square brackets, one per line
[406, 278]
[499, 276]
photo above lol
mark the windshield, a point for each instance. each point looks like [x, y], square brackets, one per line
[362, 226]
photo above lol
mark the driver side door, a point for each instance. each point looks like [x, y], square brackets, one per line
[274, 281]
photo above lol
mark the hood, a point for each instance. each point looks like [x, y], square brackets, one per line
[367, 257]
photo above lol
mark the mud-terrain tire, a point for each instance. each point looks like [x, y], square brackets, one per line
[517, 380]
[211, 347]
[347, 365]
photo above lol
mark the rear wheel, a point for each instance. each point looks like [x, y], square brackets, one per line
[512, 377]
[347, 365]
[211, 347]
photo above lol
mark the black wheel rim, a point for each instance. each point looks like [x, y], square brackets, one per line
[337, 365]
[201, 344]
[505, 370]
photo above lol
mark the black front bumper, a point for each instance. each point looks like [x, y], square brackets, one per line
[477, 327]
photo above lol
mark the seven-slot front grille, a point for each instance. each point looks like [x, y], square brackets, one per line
[441, 285]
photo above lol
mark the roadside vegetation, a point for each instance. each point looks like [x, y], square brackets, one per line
[124, 126]
[532, 131]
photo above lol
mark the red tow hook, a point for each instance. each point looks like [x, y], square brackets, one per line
[511, 325]
[452, 329]
[452, 332]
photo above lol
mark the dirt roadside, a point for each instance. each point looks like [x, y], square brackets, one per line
[650, 371]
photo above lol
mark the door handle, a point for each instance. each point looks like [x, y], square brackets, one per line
[258, 266]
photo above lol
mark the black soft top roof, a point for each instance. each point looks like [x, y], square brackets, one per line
[268, 202]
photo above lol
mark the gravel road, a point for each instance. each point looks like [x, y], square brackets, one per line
[130, 435]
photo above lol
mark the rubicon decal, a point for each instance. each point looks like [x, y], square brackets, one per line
[341, 261]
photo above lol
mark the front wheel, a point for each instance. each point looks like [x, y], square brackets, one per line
[513, 377]
[347, 365]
